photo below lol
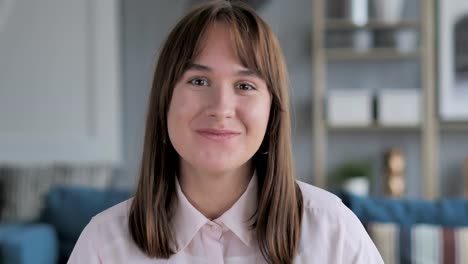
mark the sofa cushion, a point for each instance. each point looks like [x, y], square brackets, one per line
[421, 243]
[70, 208]
[29, 243]
[445, 212]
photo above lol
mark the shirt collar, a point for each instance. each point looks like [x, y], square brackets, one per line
[188, 220]
[238, 218]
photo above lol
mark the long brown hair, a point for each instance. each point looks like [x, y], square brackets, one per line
[277, 221]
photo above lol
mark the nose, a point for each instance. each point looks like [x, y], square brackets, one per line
[221, 102]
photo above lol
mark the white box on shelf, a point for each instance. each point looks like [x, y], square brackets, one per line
[349, 108]
[399, 107]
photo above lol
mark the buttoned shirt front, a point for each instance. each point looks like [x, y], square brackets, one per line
[330, 233]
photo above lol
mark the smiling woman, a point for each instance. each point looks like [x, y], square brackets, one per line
[217, 182]
[218, 114]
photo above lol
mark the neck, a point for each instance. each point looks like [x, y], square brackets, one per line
[213, 193]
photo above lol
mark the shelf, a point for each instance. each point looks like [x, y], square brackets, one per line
[447, 127]
[338, 35]
[345, 24]
[374, 128]
[372, 54]
[454, 127]
[380, 128]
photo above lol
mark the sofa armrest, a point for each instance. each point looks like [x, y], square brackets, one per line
[450, 212]
[28, 243]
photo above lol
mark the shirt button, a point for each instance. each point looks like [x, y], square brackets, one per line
[216, 229]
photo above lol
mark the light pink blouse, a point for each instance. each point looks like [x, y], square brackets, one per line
[330, 233]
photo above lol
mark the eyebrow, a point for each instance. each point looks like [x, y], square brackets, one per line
[200, 67]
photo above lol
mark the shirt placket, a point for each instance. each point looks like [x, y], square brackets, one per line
[214, 247]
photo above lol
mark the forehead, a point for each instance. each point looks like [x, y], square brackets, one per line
[216, 36]
[216, 41]
[223, 40]
[218, 53]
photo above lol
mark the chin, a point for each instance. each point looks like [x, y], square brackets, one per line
[218, 166]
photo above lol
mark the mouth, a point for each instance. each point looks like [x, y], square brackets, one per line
[217, 134]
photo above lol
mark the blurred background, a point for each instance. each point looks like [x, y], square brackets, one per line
[379, 103]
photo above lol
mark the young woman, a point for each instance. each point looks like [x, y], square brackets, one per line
[217, 182]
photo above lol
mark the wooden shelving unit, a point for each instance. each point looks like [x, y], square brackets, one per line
[321, 56]
[344, 24]
[373, 128]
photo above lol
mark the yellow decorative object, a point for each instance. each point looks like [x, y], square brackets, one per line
[394, 173]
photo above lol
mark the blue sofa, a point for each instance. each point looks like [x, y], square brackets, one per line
[408, 231]
[450, 212]
[67, 210]
[28, 243]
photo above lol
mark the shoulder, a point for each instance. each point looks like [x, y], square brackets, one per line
[315, 198]
[105, 234]
[323, 206]
[110, 223]
[322, 210]
[328, 223]
[114, 213]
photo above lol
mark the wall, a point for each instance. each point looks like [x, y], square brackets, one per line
[145, 24]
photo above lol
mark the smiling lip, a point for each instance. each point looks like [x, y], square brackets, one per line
[217, 134]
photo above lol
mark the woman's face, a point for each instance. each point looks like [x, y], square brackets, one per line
[219, 109]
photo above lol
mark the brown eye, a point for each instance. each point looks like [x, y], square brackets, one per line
[246, 86]
[199, 82]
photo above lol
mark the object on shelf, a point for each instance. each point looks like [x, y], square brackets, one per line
[353, 176]
[394, 173]
[385, 38]
[373, 54]
[465, 177]
[357, 40]
[362, 40]
[336, 9]
[407, 40]
[399, 107]
[358, 11]
[452, 26]
[389, 11]
[345, 24]
[349, 108]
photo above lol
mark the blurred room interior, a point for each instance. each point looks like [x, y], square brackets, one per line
[379, 104]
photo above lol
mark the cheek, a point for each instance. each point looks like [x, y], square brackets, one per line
[178, 116]
[183, 106]
[257, 116]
